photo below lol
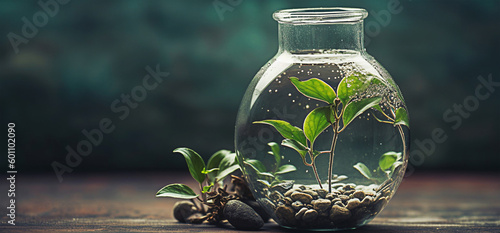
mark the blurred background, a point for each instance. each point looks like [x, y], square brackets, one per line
[65, 78]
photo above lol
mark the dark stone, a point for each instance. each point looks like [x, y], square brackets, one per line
[258, 208]
[184, 209]
[242, 216]
[302, 197]
[285, 215]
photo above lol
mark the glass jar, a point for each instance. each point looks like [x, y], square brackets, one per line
[322, 133]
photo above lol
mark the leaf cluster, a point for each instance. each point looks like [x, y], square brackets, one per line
[387, 164]
[220, 165]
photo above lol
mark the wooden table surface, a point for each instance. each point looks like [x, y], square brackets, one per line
[125, 202]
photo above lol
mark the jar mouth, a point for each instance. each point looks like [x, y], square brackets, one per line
[328, 15]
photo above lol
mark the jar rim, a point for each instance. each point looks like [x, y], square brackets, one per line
[320, 15]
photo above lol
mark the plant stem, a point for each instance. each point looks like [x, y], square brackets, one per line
[403, 140]
[204, 198]
[332, 153]
[316, 174]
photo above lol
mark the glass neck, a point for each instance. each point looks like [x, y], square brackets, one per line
[300, 38]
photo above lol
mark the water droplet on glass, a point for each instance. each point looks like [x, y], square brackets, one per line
[270, 91]
[276, 90]
[307, 106]
[289, 94]
[307, 171]
[293, 101]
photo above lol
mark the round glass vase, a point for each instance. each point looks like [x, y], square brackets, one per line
[322, 133]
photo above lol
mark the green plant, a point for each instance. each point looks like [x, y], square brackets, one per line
[387, 164]
[271, 177]
[209, 176]
[352, 98]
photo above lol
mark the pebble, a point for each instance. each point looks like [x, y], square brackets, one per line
[310, 192]
[242, 216]
[315, 207]
[285, 215]
[310, 215]
[339, 203]
[259, 209]
[297, 205]
[289, 192]
[338, 214]
[331, 196]
[299, 214]
[349, 192]
[184, 209]
[367, 201]
[344, 198]
[348, 187]
[302, 197]
[341, 177]
[276, 195]
[359, 195]
[353, 203]
[322, 205]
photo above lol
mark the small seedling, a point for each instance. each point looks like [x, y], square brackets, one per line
[342, 107]
[387, 164]
[210, 178]
[270, 177]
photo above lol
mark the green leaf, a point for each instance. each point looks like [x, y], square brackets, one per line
[181, 191]
[195, 163]
[315, 88]
[363, 170]
[387, 160]
[215, 159]
[207, 188]
[296, 146]
[269, 175]
[354, 109]
[353, 85]
[285, 169]
[227, 165]
[402, 117]
[214, 162]
[286, 130]
[264, 182]
[256, 165]
[275, 150]
[222, 174]
[316, 122]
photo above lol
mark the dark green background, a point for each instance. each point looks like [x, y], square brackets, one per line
[64, 80]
